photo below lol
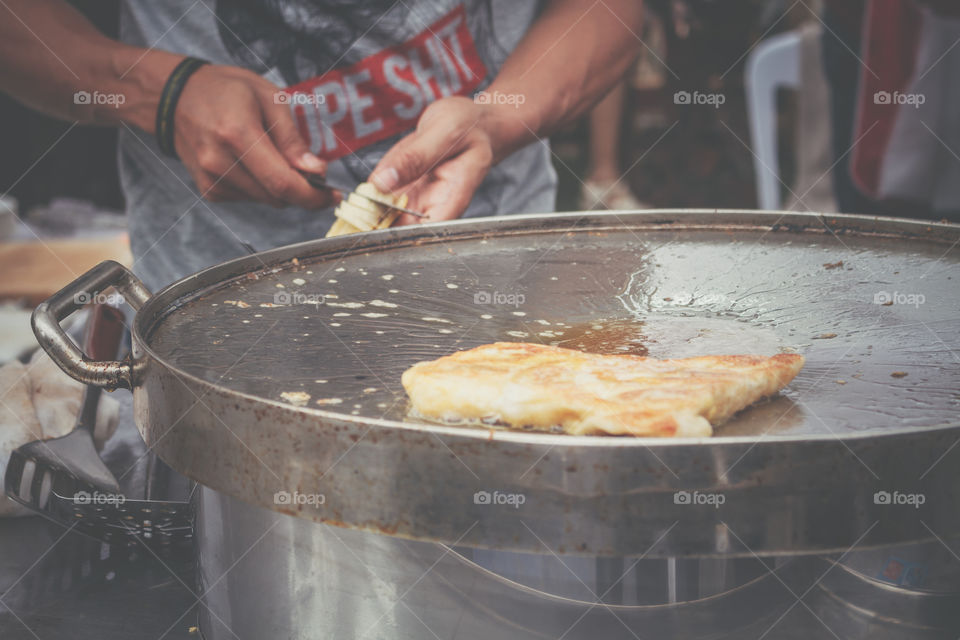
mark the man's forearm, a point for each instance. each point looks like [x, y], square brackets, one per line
[49, 52]
[573, 54]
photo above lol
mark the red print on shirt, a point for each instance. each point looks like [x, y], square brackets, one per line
[384, 94]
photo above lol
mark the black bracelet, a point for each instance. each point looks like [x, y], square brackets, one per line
[168, 102]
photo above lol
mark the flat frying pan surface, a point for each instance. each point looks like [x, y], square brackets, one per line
[874, 307]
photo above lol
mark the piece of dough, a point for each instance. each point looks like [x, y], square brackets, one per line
[357, 213]
[18, 424]
[57, 398]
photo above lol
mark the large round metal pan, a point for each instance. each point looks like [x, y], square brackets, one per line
[275, 378]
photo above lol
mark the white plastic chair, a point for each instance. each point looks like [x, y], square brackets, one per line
[773, 64]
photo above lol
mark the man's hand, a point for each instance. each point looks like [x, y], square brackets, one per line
[240, 143]
[572, 55]
[442, 163]
[235, 138]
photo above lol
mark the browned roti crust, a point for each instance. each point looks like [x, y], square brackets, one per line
[537, 386]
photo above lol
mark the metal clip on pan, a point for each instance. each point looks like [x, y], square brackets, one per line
[109, 374]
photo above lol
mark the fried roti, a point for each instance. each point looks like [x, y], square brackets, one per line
[536, 386]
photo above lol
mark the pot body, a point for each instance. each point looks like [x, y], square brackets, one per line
[268, 575]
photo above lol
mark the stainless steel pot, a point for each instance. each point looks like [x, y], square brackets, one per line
[330, 582]
[905, 592]
[274, 379]
[342, 583]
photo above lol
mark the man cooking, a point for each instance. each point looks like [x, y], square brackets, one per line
[223, 103]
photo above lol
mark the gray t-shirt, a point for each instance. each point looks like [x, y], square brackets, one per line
[358, 74]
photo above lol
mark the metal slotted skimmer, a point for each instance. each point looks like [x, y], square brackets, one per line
[298, 364]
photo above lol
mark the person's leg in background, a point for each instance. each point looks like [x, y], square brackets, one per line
[843, 20]
[606, 186]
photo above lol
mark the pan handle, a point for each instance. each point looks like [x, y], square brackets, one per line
[109, 374]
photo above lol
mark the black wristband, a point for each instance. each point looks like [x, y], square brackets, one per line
[168, 102]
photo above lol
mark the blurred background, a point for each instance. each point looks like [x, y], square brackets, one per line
[690, 155]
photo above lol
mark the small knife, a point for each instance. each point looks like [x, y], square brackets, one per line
[320, 182]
